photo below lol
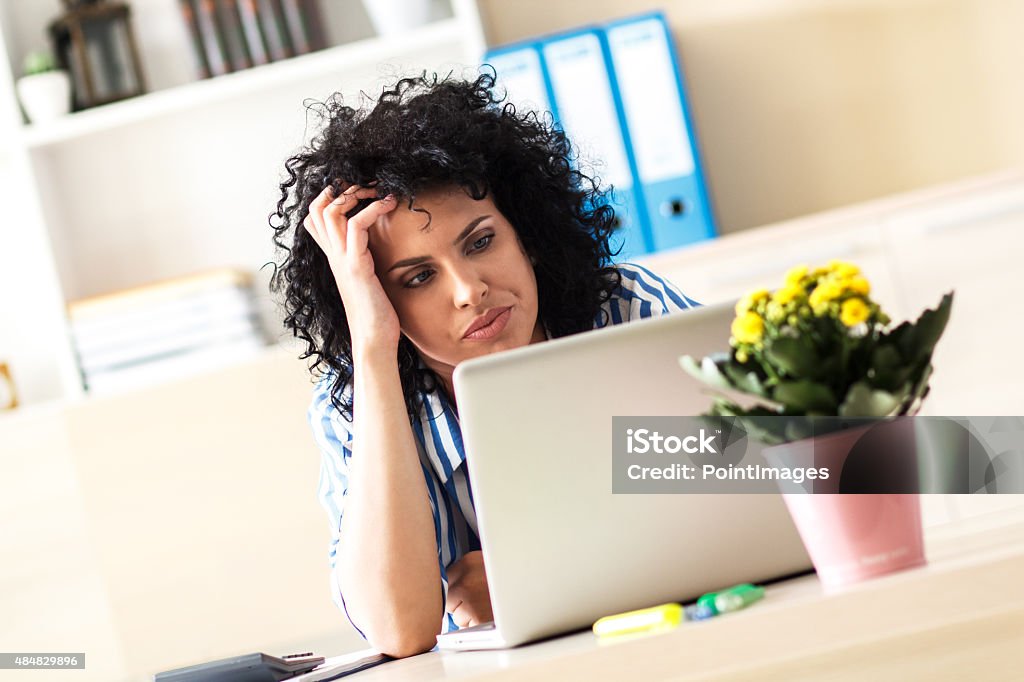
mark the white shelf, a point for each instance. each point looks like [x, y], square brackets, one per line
[257, 79]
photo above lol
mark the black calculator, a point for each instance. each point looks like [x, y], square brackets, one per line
[256, 667]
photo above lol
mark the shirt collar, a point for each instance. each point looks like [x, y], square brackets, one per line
[437, 426]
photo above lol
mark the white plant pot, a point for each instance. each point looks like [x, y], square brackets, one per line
[45, 96]
[396, 16]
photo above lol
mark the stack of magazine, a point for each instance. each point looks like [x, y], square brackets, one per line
[165, 330]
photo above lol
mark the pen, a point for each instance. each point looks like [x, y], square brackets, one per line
[736, 598]
[725, 601]
[653, 619]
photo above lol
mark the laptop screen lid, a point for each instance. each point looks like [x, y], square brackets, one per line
[560, 549]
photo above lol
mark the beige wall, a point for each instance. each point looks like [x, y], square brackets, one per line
[806, 105]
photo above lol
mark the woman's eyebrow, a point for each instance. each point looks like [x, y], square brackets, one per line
[406, 262]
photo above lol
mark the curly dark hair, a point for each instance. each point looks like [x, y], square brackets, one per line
[425, 133]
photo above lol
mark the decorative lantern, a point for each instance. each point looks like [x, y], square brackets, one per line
[8, 397]
[94, 42]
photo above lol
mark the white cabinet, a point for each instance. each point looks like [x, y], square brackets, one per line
[173, 182]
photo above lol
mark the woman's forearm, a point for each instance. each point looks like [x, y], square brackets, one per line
[387, 563]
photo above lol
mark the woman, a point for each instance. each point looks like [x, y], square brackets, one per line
[432, 227]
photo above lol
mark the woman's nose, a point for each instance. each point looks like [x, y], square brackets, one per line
[469, 288]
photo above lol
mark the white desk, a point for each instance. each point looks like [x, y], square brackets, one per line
[960, 617]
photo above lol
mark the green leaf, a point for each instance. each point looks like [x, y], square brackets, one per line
[889, 370]
[912, 403]
[707, 371]
[723, 407]
[745, 381]
[917, 340]
[794, 356]
[863, 401]
[803, 396]
[759, 422]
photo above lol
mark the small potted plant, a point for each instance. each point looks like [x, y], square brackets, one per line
[820, 347]
[44, 90]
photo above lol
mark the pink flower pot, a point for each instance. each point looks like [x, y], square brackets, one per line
[853, 537]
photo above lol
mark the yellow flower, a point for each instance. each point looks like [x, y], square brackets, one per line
[842, 269]
[853, 312]
[750, 300]
[748, 328]
[796, 274]
[823, 294]
[788, 293]
[858, 285]
[741, 356]
[817, 273]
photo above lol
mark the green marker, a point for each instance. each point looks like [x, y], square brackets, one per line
[736, 598]
[706, 605]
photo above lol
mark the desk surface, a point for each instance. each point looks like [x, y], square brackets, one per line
[960, 617]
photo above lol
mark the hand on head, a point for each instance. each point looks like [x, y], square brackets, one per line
[345, 242]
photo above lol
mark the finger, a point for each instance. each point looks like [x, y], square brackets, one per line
[311, 228]
[359, 226]
[335, 214]
[351, 195]
[452, 602]
[316, 210]
[464, 617]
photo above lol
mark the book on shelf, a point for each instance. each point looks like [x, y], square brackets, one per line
[195, 36]
[296, 22]
[314, 24]
[237, 49]
[212, 36]
[255, 38]
[274, 28]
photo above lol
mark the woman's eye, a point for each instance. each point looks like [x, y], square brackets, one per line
[482, 242]
[419, 279]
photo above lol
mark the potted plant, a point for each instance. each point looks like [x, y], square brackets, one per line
[392, 17]
[44, 90]
[820, 347]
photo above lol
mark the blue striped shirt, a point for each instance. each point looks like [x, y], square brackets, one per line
[439, 439]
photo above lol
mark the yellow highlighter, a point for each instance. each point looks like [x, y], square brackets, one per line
[650, 620]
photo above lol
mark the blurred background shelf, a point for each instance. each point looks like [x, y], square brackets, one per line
[361, 54]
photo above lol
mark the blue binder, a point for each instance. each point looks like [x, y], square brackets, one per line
[520, 77]
[668, 168]
[582, 98]
[618, 93]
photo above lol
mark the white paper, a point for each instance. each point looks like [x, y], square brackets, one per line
[337, 666]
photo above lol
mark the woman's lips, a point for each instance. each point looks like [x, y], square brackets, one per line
[494, 328]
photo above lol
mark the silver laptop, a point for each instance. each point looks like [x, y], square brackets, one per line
[560, 549]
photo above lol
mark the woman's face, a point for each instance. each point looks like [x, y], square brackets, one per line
[462, 288]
